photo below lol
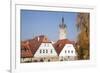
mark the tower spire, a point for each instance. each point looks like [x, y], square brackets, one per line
[62, 20]
[62, 29]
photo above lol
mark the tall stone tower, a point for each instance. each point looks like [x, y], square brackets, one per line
[62, 30]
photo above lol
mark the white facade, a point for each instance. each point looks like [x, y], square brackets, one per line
[45, 50]
[62, 33]
[68, 53]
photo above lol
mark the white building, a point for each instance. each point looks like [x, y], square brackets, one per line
[68, 53]
[45, 51]
[62, 30]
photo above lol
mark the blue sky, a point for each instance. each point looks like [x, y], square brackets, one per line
[35, 23]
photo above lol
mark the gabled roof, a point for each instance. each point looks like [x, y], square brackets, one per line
[25, 50]
[59, 45]
[34, 43]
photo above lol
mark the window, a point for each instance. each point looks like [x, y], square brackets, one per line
[46, 51]
[65, 51]
[72, 51]
[68, 51]
[51, 50]
[40, 51]
[43, 51]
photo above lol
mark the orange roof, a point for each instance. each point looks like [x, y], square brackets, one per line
[25, 50]
[59, 45]
[34, 43]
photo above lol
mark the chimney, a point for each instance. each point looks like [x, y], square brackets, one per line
[38, 38]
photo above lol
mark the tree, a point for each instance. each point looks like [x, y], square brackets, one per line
[82, 25]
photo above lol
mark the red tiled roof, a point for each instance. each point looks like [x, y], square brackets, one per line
[59, 45]
[34, 43]
[25, 50]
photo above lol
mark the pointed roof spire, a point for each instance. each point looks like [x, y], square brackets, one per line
[62, 20]
[62, 25]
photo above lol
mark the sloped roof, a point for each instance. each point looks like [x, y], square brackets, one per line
[25, 50]
[59, 45]
[33, 44]
[36, 42]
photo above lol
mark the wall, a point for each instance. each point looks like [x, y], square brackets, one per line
[48, 47]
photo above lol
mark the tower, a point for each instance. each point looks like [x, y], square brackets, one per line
[62, 30]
